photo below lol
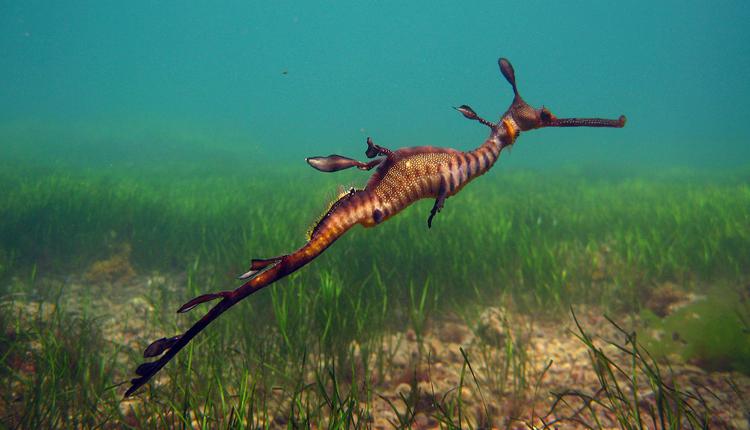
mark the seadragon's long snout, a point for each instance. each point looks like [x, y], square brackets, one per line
[587, 122]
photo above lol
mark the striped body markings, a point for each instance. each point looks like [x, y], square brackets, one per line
[415, 173]
[408, 175]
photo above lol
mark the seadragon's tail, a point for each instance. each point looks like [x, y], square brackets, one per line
[341, 216]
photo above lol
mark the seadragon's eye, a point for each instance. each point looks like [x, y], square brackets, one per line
[545, 115]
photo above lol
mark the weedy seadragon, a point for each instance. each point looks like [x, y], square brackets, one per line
[401, 178]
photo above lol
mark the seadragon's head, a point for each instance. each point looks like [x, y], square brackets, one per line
[527, 117]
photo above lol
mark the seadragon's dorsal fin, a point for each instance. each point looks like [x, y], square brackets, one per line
[343, 197]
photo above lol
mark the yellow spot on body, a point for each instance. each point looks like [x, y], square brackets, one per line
[510, 128]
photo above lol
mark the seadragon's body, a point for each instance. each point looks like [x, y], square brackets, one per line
[401, 178]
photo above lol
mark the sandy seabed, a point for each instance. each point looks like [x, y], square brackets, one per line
[559, 387]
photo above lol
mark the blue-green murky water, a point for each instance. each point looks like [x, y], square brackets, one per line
[104, 82]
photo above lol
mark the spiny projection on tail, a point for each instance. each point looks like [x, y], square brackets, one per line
[401, 178]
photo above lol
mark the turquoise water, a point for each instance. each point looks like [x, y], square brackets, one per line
[106, 82]
[150, 150]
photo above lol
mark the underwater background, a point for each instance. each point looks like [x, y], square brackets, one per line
[150, 150]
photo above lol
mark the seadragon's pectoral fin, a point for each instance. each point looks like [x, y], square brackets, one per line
[334, 163]
[373, 149]
[439, 202]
